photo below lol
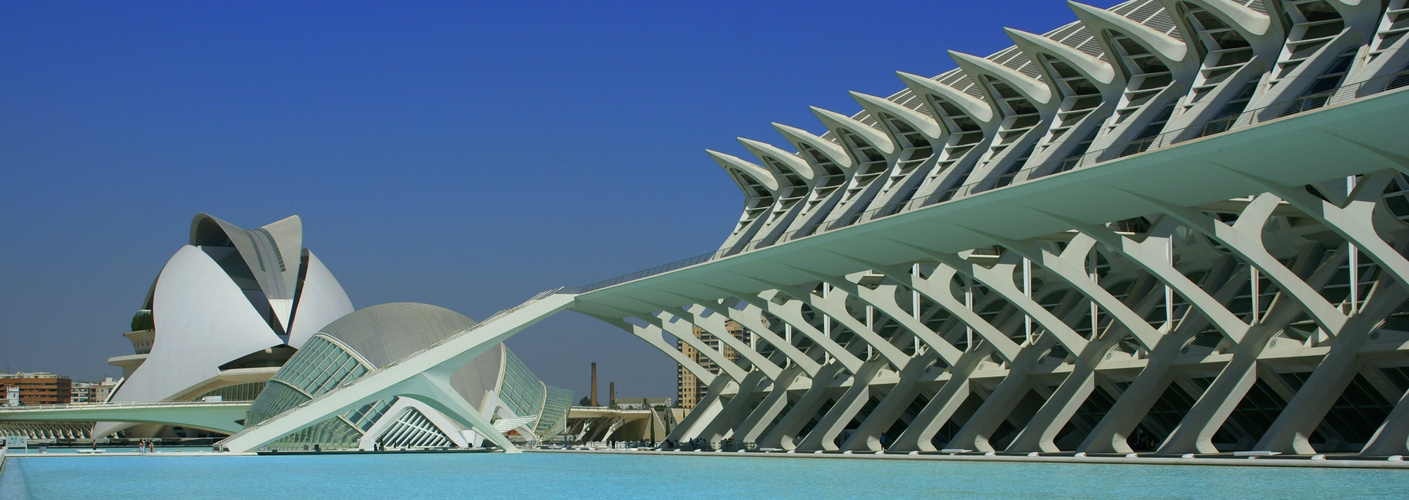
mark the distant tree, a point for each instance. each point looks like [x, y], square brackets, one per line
[584, 401]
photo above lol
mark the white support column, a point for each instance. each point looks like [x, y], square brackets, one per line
[751, 318]
[1111, 433]
[936, 288]
[823, 435]
[652, 335]
[1244, 239]
[705, 411]
[867, 437]
[1305, 411]
[999, 404]
[791, 313]
[1095, 303]
[833, 307]
[942, 405]
[784, 434]
[1027, 292]
[1391, 437]
[1353, 221]
[684, 330]
[715, 324]
[1195, 432]
[773, 403]
[737, 408]
[999, 279]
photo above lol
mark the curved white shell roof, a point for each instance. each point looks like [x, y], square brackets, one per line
[231, 293]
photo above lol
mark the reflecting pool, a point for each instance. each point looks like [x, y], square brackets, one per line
[552, 475]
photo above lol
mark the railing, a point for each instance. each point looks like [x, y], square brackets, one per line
[476, 326]
[128, 404]
[1347, 92]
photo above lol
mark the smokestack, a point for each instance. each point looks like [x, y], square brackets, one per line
[594, 384]
[611, 394]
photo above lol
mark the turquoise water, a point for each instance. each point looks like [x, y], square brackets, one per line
[544, 475]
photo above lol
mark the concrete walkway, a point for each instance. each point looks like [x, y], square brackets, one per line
[1300, 461]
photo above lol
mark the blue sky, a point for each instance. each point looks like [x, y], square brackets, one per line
[461, 154]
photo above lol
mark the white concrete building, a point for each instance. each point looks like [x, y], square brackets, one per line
[224, 313]
[495, 384]
[1170, 227]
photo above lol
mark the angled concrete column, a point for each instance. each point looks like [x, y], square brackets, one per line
[882, 298]
[1000, 403]
[999, 279]
[1392, 438]
[868, 435]
[1244, 239]
[1073, 391]
[1070, 268]
[1294, 425]
[1194, 434]
[435, 392]
[956, 390]
[833, 305]
[936, 289]
[1111, 433]
[1352, 221]
[1195, 431]
[684, 330]
[790, 312]
[824, 435]
[1038, 434]
[942, 405]
[715, 325]
[1153, 254]
[785, 433]
[750, 390]
[1291, 431]
[751, 318]
[703, 412]
[652, 335]
[423, 375]
[1042, 429]
[767, 411]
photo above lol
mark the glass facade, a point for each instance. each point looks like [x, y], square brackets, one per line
[320, 366]
[526, 395]
[325, 363]
[521, 391]
[555, 412]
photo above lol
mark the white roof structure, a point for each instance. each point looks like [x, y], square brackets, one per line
[494, 384]
[1173, 227]
[230, 294]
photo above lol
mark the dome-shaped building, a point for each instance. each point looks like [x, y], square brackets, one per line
[496, 382]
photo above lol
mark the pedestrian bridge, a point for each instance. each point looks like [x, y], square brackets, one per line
[217, 416]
